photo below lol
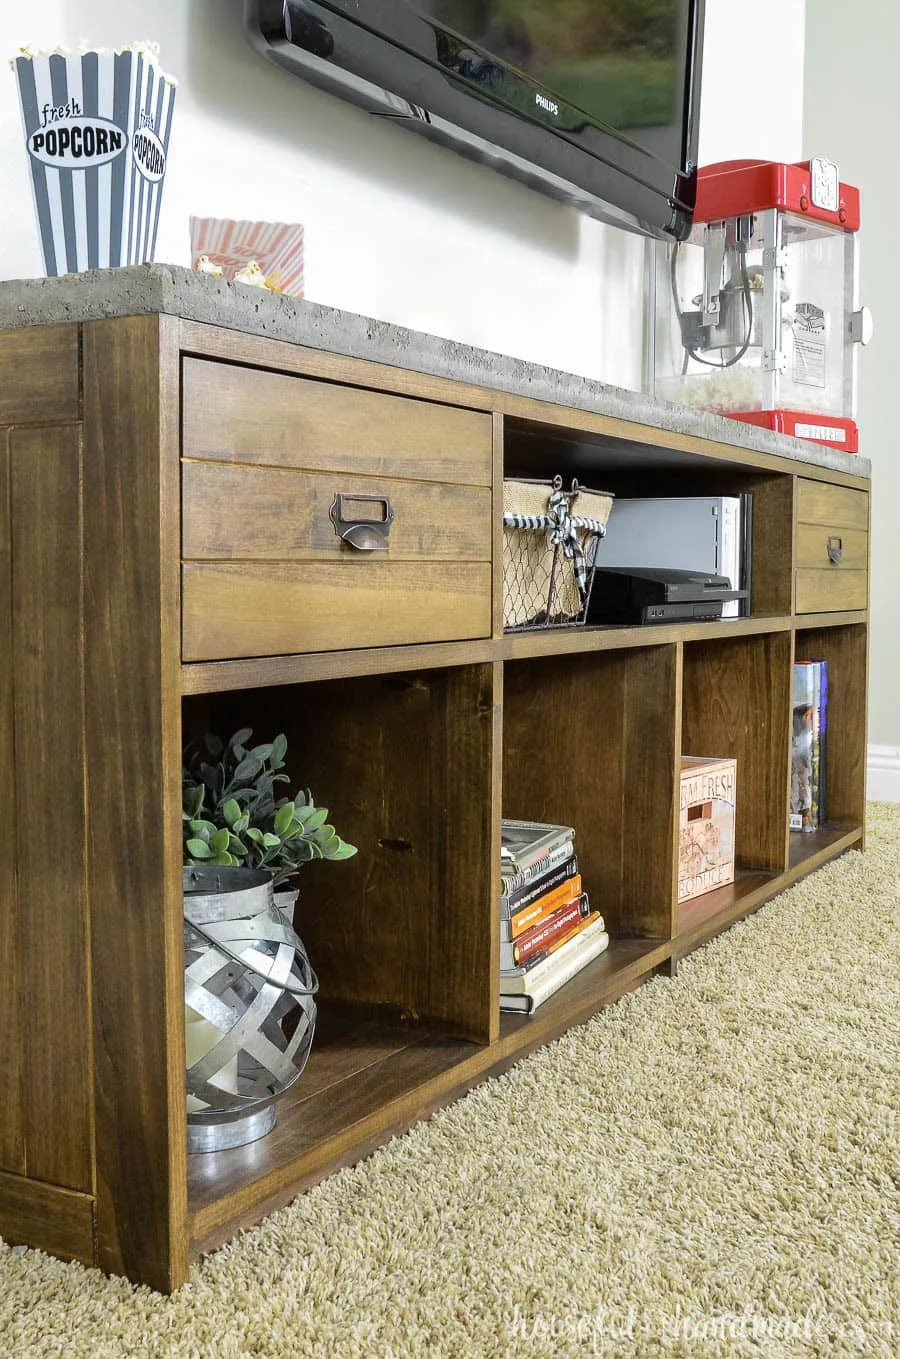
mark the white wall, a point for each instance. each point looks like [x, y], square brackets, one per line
[396, 228]
[852, 111]
[752, 103]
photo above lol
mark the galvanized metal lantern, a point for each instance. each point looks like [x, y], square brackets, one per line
[755, 314]
[249, 1008]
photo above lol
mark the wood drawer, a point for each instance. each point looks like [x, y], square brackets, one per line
[831, 520]
[234, 609]
[265, 572]
[252, 416]
[234, 512]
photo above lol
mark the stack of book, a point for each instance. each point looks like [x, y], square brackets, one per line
[548, 931]
[808, 746]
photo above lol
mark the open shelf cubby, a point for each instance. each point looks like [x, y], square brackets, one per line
[736, 702]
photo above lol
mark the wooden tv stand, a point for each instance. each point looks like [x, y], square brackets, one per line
[167, 563]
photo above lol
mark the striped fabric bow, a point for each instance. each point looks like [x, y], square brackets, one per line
[562, 531]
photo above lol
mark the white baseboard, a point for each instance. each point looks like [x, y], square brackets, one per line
[883, 774]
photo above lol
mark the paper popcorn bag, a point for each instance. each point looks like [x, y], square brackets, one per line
[97, 127]
[232, 246]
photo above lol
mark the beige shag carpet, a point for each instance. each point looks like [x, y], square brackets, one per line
[707, 1168]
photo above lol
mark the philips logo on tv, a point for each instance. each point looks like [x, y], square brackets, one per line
[548, 105]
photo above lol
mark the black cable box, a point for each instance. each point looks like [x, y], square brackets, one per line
[644, 594]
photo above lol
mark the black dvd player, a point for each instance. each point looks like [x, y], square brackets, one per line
[643, 594]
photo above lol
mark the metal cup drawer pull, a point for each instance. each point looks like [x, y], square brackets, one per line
[835, 550]
[367, 532]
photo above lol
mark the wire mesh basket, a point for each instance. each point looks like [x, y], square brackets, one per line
[550, 541]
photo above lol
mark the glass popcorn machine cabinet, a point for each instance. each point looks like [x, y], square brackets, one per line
[755, 313]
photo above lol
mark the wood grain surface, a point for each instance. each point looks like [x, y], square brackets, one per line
[48, 669]
[39, 375]
[845, 650]
[233, 512]
[249, 415]
[133, 768]
[832, 506]
[233, 609]
[405, 764]
[578, 750]
[737, 702]
[12, 1103]
[59, 1221]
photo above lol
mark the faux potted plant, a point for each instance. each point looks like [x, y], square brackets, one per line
[232, 815]
[242, 956]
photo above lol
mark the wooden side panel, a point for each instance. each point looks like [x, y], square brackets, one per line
[234, 609]
[249, 415]
[405, 764]
[497, 526]
[461, 985]
[39, 375]
[737, 702]
[59, 1221]
[48, 679]
[772, 532]
[133, 771]
[12, 1129]
[652, 732]
[576, 751]
[846, 653]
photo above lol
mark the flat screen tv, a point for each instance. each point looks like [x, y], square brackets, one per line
[593, 101]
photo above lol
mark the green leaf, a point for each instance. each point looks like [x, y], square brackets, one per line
[344, 851]
[236, 846]
[213, 744]
[240, 738]
[318, 818]
[255, 835]
[262, 752]
[223, 860]
[270, 841]
[203, 830]
[198, 849]
[231, 811]
[218, 841]
[248, 768]
[192, 800]
[284, 817]
[279, 750]
[241, 824]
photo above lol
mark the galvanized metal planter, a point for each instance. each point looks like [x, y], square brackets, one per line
[249, 1008]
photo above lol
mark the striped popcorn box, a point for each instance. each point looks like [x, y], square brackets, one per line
[277, 247]
[97, 128]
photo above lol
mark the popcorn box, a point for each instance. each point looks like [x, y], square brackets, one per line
[97, 128]
[706, 825]
[234, 246]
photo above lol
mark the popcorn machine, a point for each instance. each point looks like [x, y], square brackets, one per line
[755, 315]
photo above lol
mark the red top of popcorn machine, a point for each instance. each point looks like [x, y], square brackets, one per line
[732, 188]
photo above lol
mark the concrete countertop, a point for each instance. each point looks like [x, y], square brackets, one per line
[163, 288]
